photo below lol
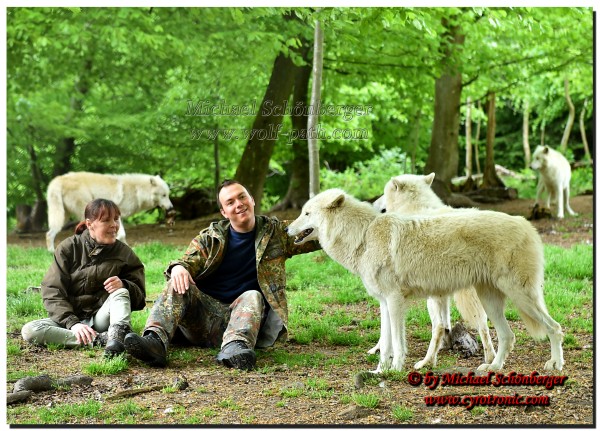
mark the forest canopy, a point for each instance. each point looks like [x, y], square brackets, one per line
[203, 94]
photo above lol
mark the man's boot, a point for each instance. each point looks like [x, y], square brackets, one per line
[115, 338]
[148, 348]
[237, 354]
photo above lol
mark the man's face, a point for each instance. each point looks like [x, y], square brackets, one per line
[238, 207]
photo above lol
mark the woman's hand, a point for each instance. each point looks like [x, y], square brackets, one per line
[181, 279]
[84, 333]
[113, 283]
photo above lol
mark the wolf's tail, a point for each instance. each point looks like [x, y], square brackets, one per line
[470, 308]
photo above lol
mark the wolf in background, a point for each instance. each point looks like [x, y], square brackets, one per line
[555, 178]
[69, 194]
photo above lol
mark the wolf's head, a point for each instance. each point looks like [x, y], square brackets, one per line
[539, 159]
[410, 193]
[159, 190]
[317, 211]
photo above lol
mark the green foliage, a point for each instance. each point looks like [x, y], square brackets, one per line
[118, 95]
[582, 180]
[366, 180]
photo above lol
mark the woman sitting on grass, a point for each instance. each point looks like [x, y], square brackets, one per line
[91, 287]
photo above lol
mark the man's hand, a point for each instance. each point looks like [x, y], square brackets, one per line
[181, 279]
[84, 333]
[113, 283]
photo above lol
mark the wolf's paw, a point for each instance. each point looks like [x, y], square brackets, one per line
[554, 364]
[488, 367]
[420, 364]
[374, 350]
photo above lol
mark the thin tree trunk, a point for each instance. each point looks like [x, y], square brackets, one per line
[468, 144]
[476, 143]
[217, 164]
[415, 140]
[254, 165]
[586, 147]
[297, 193]
[490, 178]
[526, 148]
[313, 118]
[570, 120]
[543, 132]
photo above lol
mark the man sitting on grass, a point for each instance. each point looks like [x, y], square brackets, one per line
[228, 289]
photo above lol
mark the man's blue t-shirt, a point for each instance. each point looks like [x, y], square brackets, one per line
[237, 272]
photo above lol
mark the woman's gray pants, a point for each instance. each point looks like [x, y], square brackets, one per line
[115, 310]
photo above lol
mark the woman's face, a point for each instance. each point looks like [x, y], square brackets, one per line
[104, 229]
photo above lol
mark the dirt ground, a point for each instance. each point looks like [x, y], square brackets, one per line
[228, 397]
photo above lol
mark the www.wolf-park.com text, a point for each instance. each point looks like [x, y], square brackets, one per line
[206, 108]
[272, 132]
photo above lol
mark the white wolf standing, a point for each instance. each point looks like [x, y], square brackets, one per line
[69, 194]
[398, 257]
[555, 176]
[412, 195]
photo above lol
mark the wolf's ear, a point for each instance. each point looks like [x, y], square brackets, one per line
[337, 202]
[397, 184]
[429, 178]
[152, 181]
[545, 150]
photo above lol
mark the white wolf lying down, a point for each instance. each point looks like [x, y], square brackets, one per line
[412, 195]
[69, 194]
[555, 176]
[402, 256]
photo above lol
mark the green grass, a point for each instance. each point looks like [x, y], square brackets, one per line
[402, 414]
[327, 304]
[329, 309]
[370, 401]
[107, 367]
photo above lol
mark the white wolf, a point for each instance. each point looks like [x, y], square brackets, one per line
[555, 176]
[398, 257]
[69, 194]
[412, 195]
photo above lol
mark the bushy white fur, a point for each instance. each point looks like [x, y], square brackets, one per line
[412, 195]
[398, 257]
[555, 176]
[69, 194]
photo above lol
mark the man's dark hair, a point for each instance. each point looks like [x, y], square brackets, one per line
[227, 183]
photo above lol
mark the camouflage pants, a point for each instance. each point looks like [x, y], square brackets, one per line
[205, 321]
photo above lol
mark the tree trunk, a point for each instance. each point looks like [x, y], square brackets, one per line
[468, 144]
[313, 117]
[66, 147]
[586, 147]
[217, 165]
[38, 216]
[565, 139]
[297, 193]
[254, 165]
[490, 178]
[543, 132]
[526, 148]
[443, 151]
[476, 144]
[416, 131]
